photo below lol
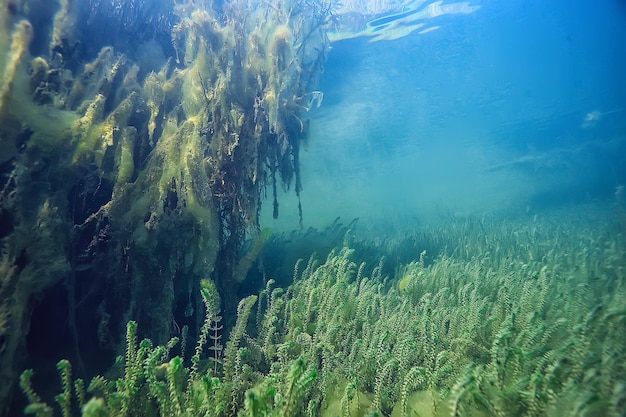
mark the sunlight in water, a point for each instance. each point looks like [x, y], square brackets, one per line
[390, 20]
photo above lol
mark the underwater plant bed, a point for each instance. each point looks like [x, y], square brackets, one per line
[514, 318]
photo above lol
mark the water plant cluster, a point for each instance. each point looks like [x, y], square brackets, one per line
[137, 140]
[513, 318]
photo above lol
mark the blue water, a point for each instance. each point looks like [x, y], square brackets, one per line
[517, 107]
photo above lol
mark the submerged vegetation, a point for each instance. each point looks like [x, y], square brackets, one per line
[512, 319]
[137, 141]
[133, 161]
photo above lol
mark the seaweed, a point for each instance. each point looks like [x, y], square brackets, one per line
[148, 160]
[501, 335]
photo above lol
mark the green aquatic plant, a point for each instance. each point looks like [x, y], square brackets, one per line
[245, 263]
[153, 384]
[142, 169]
[506, 334]
[479, 332]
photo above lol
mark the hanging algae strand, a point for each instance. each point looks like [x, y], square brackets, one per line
[154, 151]
[22, 35]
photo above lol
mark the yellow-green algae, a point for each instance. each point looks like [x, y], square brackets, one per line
[147, 174]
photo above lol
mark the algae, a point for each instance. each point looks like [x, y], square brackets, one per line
[138, 161]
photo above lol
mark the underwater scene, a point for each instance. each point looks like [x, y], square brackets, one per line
[333, 208]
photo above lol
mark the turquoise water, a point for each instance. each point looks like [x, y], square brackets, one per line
[515, 107]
